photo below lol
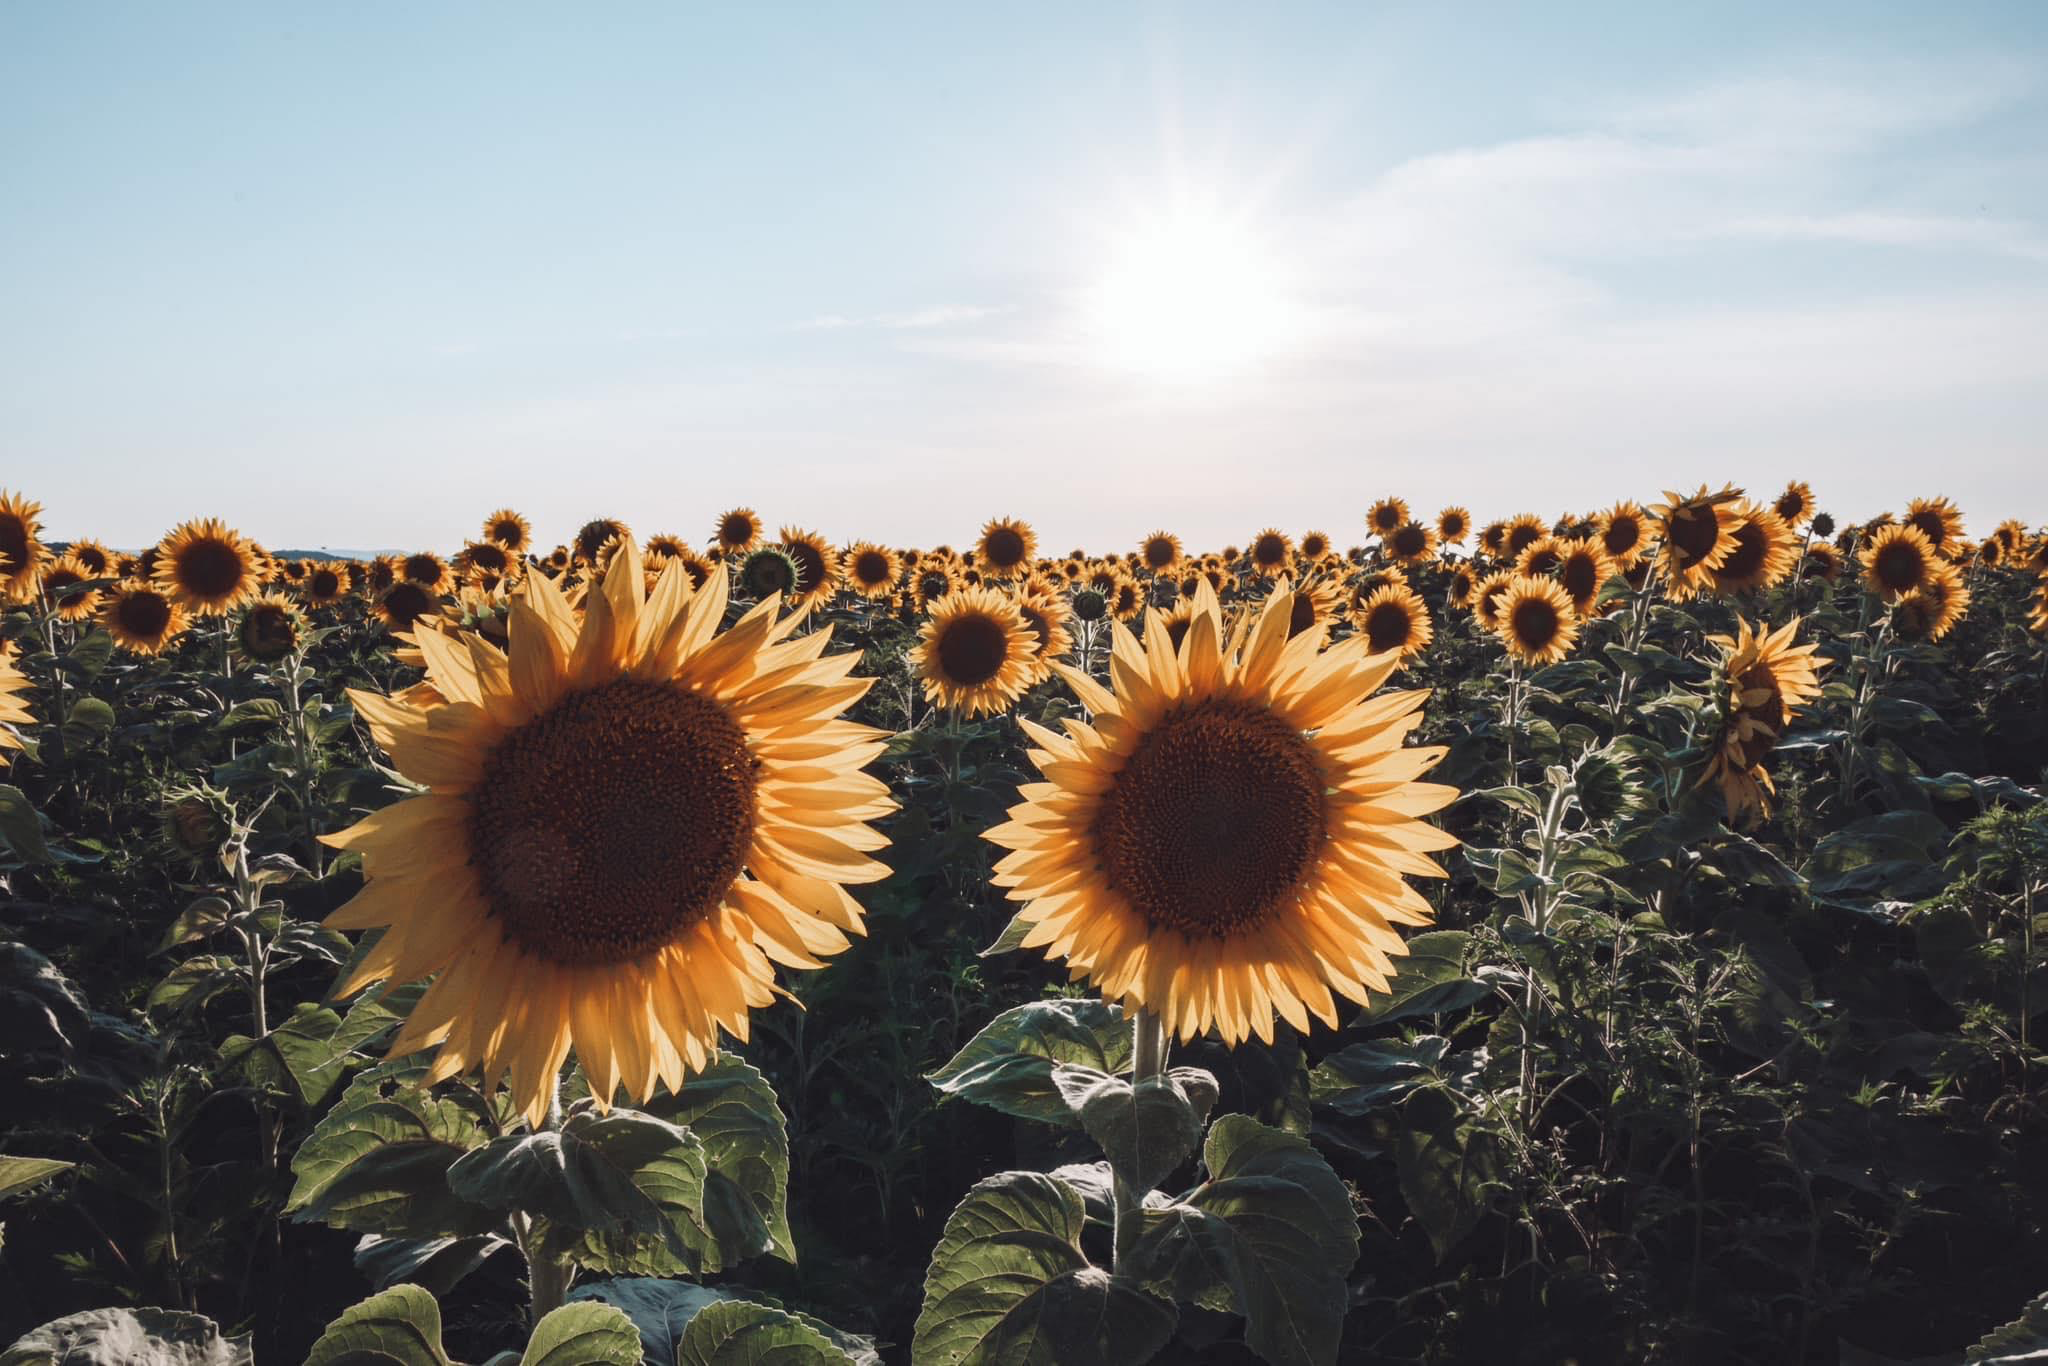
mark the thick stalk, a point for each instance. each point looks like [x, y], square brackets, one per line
[547, 1276]
[1148, 1059]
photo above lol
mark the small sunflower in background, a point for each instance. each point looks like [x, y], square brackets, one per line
[1411, 544]
[62, 575]
[1767, 680]
[323, 585]
[1453, 525]
[1317, 607]
[932, 580]
[99, 562]
[506, 528]
[1387, 516]
[1395, 618]
[1490, 595]
[1537, 623]
[1541, 558]
[1161, 552]
[737, 531]
[1897, 560]
[1006, 548]
[592, 535]
[13, 711]
[1227, 842]
[1763, 555]
[817, 565]
[1126, 599]
[269, 629]
[1795, 506]
[1939, 520]
[871, 570]
[1458, 592]
[1524, 529]
[485, 563]
[209, 568]
[1822, 561]
[142, 618]
[1271, 552]
[1583, 569]
[1624, 535]
[1493, 540]
[975, 655]
[428, 570]
[1932, 610]
[769, 572]
[629, 822]
[405, 602]
[1314, 547]
[1045, 614]
[1699, 533]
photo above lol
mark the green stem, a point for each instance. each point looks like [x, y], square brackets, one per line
[1148, 1059]
[547, 1276]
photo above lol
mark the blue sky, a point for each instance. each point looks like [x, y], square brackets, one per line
[354, 275]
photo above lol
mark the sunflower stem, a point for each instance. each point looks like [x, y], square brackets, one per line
[1148, 1059]
[547, 1275]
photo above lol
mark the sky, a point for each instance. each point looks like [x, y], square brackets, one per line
[358, 275]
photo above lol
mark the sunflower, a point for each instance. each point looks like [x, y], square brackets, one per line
[1938, 520]
[508, 529]
[1537, 622]
[1623, 534]
[870, 569]
[21, 547]
[60, 578]
[1126, 599]
[1795, 505]
[975, 653]
[591, 536]
[626, 821]
[1006, 547]
[1541, 557]
[1453, 525]
[1493, 539]
[323, 585]
[930, 581]
[815, 563]
[1411, 543]
[1932, 610]
[1699, 533]
[269, 628]
[1822, 561]
[1765, 552]
[1524, 529]
[1226, 842]
[1045, 614]
[97, 559]
[485, 562]
[1394, 618]
[1583, 569]
[2037, 614]
[1315, 546]
[13, 711]
[1768, 679]
[1316, 607]
[769, 572]
[426, 569]
[1459, 591]
[737, 532]
[1490, 596]
[142, 618]
[209, 568]
[1388, 515]
[1897, 560]
[405, 602]
[1271, 550]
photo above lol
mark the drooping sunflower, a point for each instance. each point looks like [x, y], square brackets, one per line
[507, 528]
[1453, 525]
[870, 569]
[1493, 539]
[60, 578]
[1458, 593]
[21, 547]
[628, 823]
[1939, 521]
[1764, 554]
[1583, 569]
[975, 654]
[738, 531]
[1045, 615]
[1227, 841]
[1822, 561]
[1006, 547]
[1795, 505]
[1537, 623]
[1932, 610]
[1395, 618]
[268, 629]
[1897, 560]
[1271, 552]
[1411, 544]
[208, 567]
[142, 618]
[1767, 680]
[815, 562]
[1388, 515]
[1490, 596]
[13, 711]
[1699, 533]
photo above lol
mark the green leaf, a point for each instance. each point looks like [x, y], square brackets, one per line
[378, 1163]
[1448, 1167]
[1010, 1286]
[89, 716]
[1145, 1130]
[19, 1173]
[21, 829]
[129, 1337]
[660, 1309]
[742, 1333]
[436, 1264]
[2024, 1339]
[586, 1333]
[732, 1110]
[1366, 1077]
[196, 981]
[257, 713]
[1521, 798]
[1008, 1066]
[309, 1051]
[90, 654]
[1011, 938]
[1431, 980]
[205, 916]
[1270, 1234]
[397, 1327]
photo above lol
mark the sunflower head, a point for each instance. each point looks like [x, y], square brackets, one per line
[1938, 520]
[426, 569]
[1458, 593]
[13, 711]
[1699, 533]
[1453, 525]
[1271, 552]
[1541, 557]
[975, 655]
[1795, 505]
[1395, 619]
[209, 568]
[1006, 547]
[269, 629]
[817, 565]
[194, 821]
[1583, 570]
[142, 618]
[1766, 680]
[1411, 543]
[1932, 610]
[1489, 596]
[1493, 539]
[1315, 545]
[405, 602]
[1045, 616]
[64, 583]
[21, 547]
[1524, 529]
[1822, 561]
[508, 529]
[1387, 516]
[1763, 553]
[1537, 623]
[1316, 607]
[1622, 534]
[770, 572]
[870, 569]
[1897, 560]
[1089, 604]
[591, 536]
[1226, 841]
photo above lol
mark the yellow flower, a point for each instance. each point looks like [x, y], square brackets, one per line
[21, 547]
[13, 711]
[1453, 525]
[508, 529]
[1537, 623]
[1897, 560]
[1395, 618]
[1768, 680]
[142, 618]
[975, 653]
[1006, 547]
[208, 568]
[1699, 533]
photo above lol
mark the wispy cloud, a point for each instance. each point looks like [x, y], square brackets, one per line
[1932, 232]
[939, 315]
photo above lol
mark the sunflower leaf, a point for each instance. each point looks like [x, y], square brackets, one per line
[1009, 1283]
[21, 828]
[744, 1333]
[19, 1173]
[1146, 1130]
[1270, 1234]
[129, 1337]
[1430, 980]
[586, 1333]
[401, 1326]
[732, 1110]
[1009, 1065]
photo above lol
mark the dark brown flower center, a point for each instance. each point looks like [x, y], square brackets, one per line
[1535, 622]
[1158, 552]
[1388, 627]
[608, 826]
[1214, 820]
[1747, 559]
[810, 563]
[1621, 536]
[267, 632]
[1268, 551]
[1542, 562]
[210, 569]
[972, 649]
[405, 603]
[1385, 518]
[13, 543]
[1301, 616]
[871, 567]
[1580, 575]
[1409, 542]
[1452, 526]
[423, 568]
[1900, 566]
[1003, 548]
[1694, 531]
[1041, 629]
[1930, 525]
[143, 613]
[324, 583]
[508, 533]
[1790, 505]
[591, 537]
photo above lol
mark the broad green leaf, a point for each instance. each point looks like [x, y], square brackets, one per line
[21, 829]
[1008, 1065]
[1430, 980]
[1010, 1286]
[205, 916]
[583, 1334]
[1448, 1167]
[1270, 1234]
[42, 1010]
[90, 655]
[1371, 1076]
[732, 1110]
[378, 1163]
[1011, 938]
[742, 1333]
[396, 1327]
[19, 1173]
[196, 981]
[660, 1309]
[129, 1337]
[1145, 1130]
[436, 1264]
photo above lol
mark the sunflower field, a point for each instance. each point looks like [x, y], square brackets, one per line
[1606, 938]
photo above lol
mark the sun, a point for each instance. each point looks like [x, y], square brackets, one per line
[1190, 294]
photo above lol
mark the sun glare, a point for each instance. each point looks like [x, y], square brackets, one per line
[1189, 296]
